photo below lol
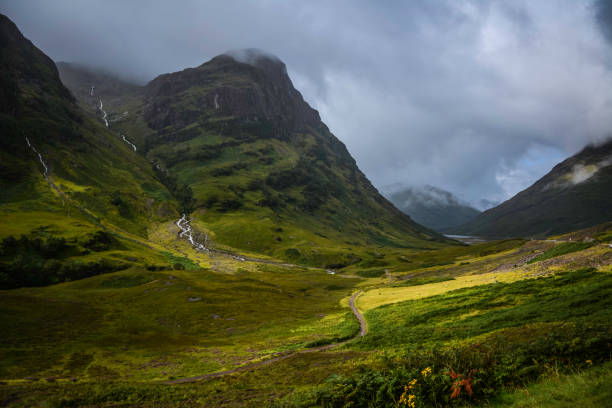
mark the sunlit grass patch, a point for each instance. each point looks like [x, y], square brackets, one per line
[385, 295]
[570, 296]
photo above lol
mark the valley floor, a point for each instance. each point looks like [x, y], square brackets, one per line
[470, 324]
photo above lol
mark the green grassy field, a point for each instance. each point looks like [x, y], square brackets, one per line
[113, 339]
[143, 325]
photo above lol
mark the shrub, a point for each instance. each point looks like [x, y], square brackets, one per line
[371, 273]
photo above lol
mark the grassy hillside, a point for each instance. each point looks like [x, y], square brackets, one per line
[73, 193]
[575, 194]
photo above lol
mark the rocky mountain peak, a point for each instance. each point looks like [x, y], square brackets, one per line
[247, 85]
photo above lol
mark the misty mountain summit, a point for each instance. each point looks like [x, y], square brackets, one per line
[252, 87]
[432, 207]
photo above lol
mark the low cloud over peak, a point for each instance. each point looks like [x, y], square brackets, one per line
[480, 98]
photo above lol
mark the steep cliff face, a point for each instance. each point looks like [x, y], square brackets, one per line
[255, 89]
[575, 194]
[65, 179]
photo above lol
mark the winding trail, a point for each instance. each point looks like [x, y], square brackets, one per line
[362, 332]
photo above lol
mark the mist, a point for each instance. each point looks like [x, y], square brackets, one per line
[480, 98]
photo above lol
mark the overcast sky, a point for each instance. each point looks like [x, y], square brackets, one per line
[478, 97]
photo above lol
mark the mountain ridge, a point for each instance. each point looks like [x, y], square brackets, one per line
[575, 194]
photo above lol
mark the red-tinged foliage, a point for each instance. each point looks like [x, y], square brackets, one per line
[461, 382]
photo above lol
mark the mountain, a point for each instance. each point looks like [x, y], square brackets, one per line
[96, 175]
[433, 207]
[72, 192]
[575, 194]
[267, 175]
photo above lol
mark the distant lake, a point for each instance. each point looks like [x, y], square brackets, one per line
[466, 239]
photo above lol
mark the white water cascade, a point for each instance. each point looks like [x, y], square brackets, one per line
[128, 142]
[101, 107]
[184, 225]
[42, 161]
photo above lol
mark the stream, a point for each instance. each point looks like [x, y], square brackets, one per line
[184, 225]
[42, 161]
[101, 107]
[130, 143]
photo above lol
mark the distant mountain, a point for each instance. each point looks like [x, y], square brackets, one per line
[433, 207]
[575, 194]
[261, 171]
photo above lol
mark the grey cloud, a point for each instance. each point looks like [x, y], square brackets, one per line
[476, 97]
[603, 9]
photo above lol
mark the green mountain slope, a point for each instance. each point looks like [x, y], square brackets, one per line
[575, 194]
[71, 191]
[433, 207]
[267, 175]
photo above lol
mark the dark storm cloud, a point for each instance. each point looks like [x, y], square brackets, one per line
[604, 17]
[477, 97]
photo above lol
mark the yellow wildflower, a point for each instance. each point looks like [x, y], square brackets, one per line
[589, 362]
[426, 372]
[410, 400]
